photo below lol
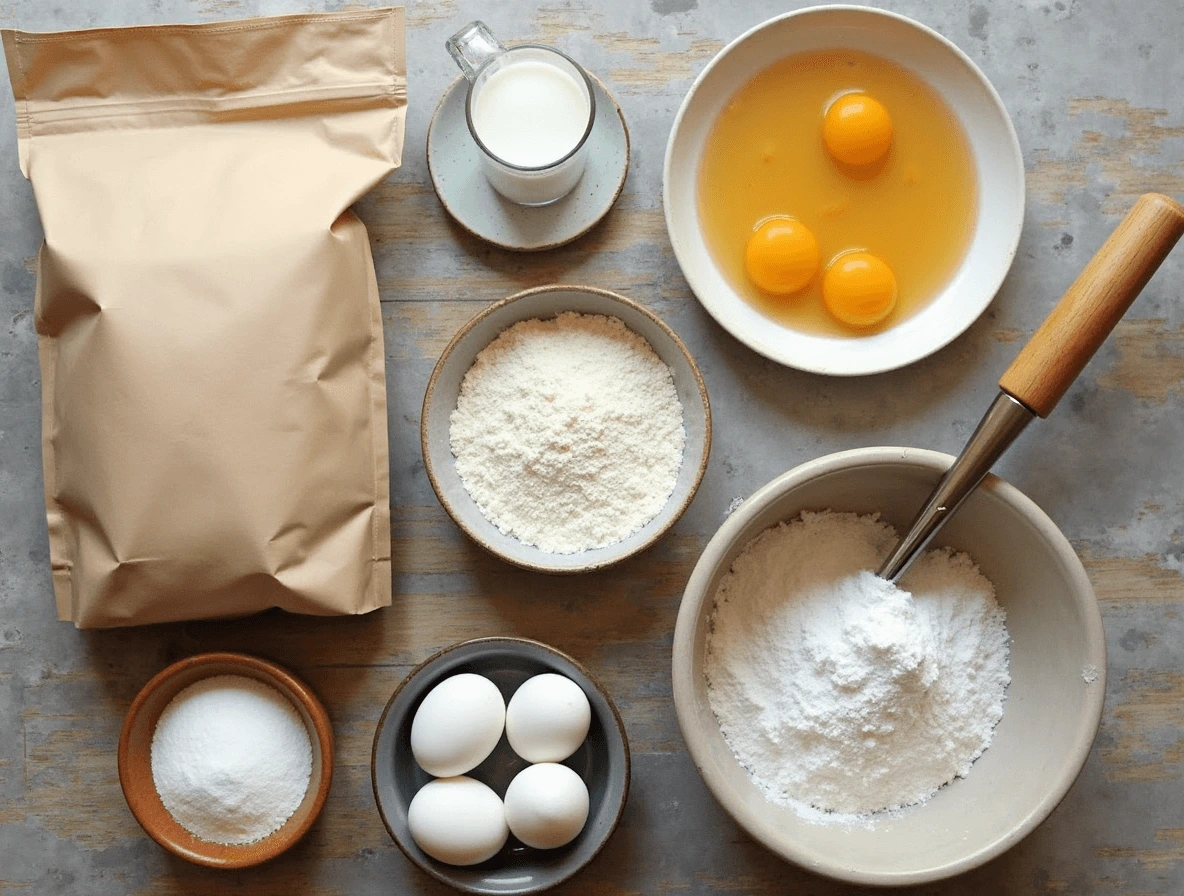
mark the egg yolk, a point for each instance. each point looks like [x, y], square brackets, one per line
[859, 289]
[857, 130]
[781, 256]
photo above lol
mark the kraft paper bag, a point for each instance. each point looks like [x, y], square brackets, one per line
[213, 386]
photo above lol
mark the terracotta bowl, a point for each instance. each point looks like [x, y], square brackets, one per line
[135, 762]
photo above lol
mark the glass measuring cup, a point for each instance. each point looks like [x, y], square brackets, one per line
[530, 110]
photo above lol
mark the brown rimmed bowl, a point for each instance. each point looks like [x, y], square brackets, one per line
[135, 759]
[546, 302]
[602, 761]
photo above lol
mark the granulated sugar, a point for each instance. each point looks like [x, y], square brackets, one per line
[568, 432]
[840, 693]
[231, 759]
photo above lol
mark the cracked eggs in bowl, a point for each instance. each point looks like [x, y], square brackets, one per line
[844, 190]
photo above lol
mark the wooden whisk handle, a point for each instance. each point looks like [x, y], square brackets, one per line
[1098, 298]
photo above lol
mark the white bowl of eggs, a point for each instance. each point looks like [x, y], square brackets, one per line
[844, 190]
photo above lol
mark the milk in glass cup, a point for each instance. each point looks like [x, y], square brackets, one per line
[530, 110]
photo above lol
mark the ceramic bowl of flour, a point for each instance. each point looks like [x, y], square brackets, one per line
[1051, 707]
[547, 479]
[135, 758]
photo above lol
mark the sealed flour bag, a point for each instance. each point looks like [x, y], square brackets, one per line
[214, 400]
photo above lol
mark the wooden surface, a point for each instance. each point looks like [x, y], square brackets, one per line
[1094, 89]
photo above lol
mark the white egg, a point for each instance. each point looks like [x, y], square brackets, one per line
[457, 725]
[458, 820]
[546, 805]
[548, 718]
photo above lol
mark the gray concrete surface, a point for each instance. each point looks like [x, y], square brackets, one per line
[1094, 89]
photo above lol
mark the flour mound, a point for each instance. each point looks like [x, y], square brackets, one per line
[841, 693]
[568, 432]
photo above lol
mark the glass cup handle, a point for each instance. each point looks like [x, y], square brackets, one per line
[473, 46]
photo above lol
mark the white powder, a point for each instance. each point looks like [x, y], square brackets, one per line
[568, 432]
[841, 694]
[231, 759]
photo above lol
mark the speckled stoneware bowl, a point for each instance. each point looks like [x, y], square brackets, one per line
[998, 163]
[135, 759]
[1052, 707]
[602, 761]
[547, 302]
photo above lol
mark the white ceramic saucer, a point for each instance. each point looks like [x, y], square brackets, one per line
[454, 163]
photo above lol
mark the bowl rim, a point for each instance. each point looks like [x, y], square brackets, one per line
[429, 398]
[695, 596]
[507, 641]
[260, 851]
[1013, 145]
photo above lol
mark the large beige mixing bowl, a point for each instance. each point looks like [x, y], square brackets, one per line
[1053, 705]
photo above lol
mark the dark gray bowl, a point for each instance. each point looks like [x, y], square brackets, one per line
[602, 761]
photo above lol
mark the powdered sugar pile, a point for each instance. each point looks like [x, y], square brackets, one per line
[840, 693]
[568, 433]
[231, 759]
